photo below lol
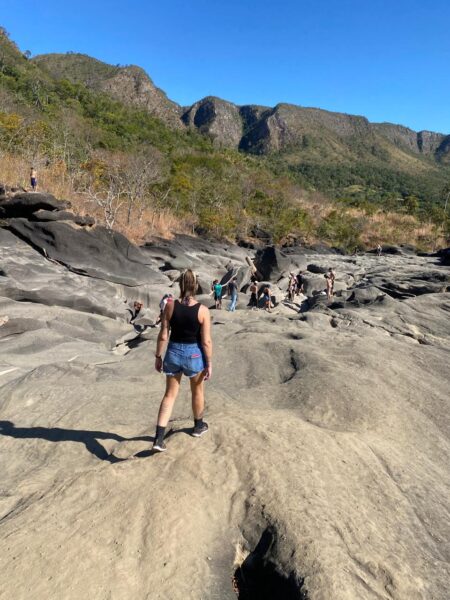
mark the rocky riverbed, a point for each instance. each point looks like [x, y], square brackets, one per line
[325, 474]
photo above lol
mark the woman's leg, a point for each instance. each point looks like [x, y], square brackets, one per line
[198, 399]
[170, 395]
[198, 405]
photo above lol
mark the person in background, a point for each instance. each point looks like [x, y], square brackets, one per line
[135, 312]
[217, 291]
[33, 179]
[292, 286]
[137, 318]
[379, 249]
[162, 305]
[233, 291]
[267, 299]
[330, 276]
[300, 283]
[186, 325]
[254, 295]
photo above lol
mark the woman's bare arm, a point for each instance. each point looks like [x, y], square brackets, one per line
[205, 322]
[163, 335]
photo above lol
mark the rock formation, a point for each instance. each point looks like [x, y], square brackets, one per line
[251, 128]
[325, 471]
[129, 84]
[216, 118]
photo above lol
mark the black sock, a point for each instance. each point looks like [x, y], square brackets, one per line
[159, 435]
[198, 422]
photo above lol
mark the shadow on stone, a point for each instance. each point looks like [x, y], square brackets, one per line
[57, 434]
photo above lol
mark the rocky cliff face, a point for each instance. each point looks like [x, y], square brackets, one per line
[251, 128]
[400, 136]
[216, 118]
[420, 142]
[130, 85]
[289, 125]
[428, 142]
[261, 130]
[443, 151]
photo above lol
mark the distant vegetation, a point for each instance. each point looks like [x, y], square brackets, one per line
[129, 166]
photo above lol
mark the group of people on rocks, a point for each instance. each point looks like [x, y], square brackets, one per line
[217, 289]
[231, 289]
[295, 285]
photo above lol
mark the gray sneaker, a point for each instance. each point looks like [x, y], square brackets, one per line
[199, 430]
[159, 446]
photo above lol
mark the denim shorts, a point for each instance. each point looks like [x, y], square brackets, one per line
[183, 358]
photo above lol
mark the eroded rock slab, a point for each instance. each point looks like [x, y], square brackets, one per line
[329, 429]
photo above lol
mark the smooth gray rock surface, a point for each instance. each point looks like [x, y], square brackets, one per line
[329, 428]
[25, 204]
[94, 252]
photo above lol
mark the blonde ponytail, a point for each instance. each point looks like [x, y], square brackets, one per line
[188, 285]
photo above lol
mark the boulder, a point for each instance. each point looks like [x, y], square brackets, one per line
[172, 274]
[321, 248]
[261, 235]
[242, 273]
[391, 250]
[414, 283]
[271, 263]
[61, 215]
[312, 268]
[179, 263]
[23, 205]
[314, 285]
[245, 243]
[96, 252]
[444, 256]
[283, 283]
[365, 295]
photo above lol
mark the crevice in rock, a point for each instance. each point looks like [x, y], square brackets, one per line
[295, 367]
[259, 578]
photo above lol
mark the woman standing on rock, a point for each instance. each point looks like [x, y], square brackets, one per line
[188, 353]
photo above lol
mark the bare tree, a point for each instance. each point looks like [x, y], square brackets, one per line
[446, 196]
[141, 171]
[105, 184]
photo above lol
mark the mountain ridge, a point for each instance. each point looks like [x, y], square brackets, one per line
[249, 127]
[129, 84]
[216, 167]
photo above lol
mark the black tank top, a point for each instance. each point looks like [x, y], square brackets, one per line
[184, 324]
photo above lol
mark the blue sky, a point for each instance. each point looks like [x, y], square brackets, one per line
[387, 60]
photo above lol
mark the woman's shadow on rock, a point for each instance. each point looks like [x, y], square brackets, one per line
[57, 434]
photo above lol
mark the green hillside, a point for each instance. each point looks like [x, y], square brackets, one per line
[109, 125]
[319, 149]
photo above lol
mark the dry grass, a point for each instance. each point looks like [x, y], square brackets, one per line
[394, 228]
[381, 227]
[14, 171]
[378, 228]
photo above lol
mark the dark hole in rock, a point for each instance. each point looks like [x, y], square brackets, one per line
[258, 578]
